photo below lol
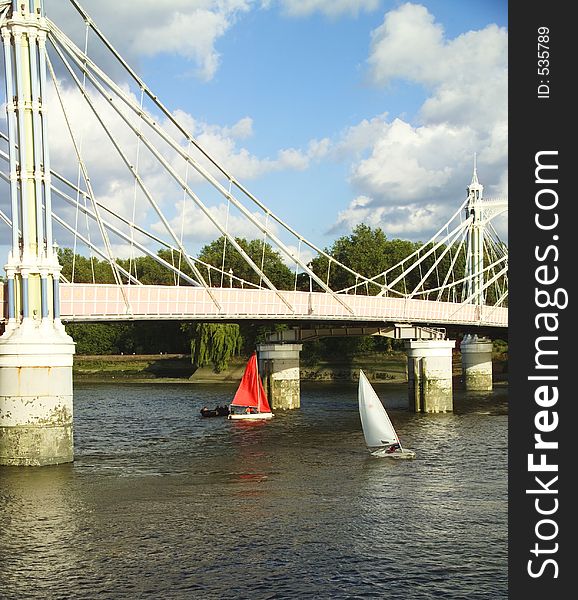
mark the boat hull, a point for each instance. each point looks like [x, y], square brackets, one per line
[403, 454]
[213, 413]
[250, 416]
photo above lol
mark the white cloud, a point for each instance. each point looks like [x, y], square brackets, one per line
[406, 171]
[318, 149]
[408, 163]
[241, 130]
[409, 45]
[191, 35]
[114, 184]
[188, 28]
[303, 254]
[398, 221]
[222, 144]
[403, 169]
[362, 136]
[195, 226]
[330, 8]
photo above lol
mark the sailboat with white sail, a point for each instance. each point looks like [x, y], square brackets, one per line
[380, 435]
[250, 401]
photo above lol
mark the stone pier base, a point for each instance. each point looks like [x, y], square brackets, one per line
[429, 374]
[36, 398]
[477, 363]
[279, 367]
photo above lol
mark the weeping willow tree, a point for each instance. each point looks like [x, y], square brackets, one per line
[215, 343]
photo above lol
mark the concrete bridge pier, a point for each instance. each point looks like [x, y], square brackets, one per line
[36, 416]
[279, 367]
[429, 375]
[477, 363]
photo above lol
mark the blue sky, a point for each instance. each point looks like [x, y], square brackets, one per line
[332, 112]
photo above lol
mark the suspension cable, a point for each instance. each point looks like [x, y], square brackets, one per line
[86, 178]
[78, 171]
[135, 189]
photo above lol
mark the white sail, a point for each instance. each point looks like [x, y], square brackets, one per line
[377, 427]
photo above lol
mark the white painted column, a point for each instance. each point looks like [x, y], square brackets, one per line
[429, 373]
[36, 354]
[279, 367]
[477, 363]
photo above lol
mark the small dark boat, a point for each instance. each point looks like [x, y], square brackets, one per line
[219, 411]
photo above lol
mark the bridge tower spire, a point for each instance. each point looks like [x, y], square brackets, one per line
[35, 351]
[475, 241]
[476, 351]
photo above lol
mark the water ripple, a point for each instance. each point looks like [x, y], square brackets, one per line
[161, 503]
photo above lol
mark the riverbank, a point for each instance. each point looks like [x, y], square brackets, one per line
[177, 368]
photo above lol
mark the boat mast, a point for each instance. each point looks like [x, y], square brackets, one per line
[392, 427]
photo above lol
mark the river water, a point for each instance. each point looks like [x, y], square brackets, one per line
[161, 503]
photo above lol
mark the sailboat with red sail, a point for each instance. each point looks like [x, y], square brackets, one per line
[250, 401]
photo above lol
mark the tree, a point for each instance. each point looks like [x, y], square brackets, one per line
[80, 269]
[96, 338]
[150, 272]
[366, 251]
[261, 253]
[215, 343]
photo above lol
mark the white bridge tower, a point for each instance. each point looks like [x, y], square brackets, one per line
[35, 351]
[477, 351]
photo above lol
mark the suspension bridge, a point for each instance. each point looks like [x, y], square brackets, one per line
[64, 113]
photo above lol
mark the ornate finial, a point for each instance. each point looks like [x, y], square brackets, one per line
[475, 189]
[475, 175]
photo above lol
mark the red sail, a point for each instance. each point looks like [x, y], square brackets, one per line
[250, 391]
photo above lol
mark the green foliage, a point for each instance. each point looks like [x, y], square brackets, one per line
[500, 347]
[129, 338]
[261, 254]
[345, 348]
[254, 334]
[312, 353]
[81, 269]
[146, 269]
[215, 343]
[96, 338]
[366, 251]
[149, 272]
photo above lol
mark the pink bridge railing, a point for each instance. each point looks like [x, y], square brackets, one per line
[90, 302]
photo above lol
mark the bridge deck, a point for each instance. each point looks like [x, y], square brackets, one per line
[97, 302]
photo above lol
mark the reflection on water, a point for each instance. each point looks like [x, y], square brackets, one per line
[163, 503]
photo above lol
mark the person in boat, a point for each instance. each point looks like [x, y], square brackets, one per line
[218, 411]
[392, 448]
[250, 410]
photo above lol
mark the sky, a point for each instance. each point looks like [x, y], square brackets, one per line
[331, 112]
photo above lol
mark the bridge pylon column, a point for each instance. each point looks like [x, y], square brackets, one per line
[35, 352]
[279, 367]
[477, 363]
[429, 375]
